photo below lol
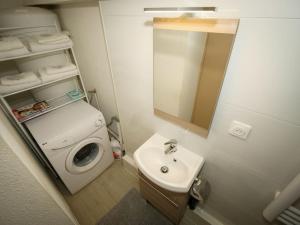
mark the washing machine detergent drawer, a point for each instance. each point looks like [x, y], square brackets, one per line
[67, 139]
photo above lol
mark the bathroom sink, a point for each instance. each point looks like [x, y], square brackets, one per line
[174, 171]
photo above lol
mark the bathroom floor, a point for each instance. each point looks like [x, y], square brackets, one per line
[97, 198]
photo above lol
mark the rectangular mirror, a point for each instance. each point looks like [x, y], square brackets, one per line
[190, 60]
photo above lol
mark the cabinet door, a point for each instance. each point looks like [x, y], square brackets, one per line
[171, 204]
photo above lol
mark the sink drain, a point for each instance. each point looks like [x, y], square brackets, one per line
[164, 169]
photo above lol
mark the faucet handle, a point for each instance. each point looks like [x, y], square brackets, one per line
[171, 141]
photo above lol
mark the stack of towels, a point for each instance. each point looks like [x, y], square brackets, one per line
[45, 42]
[16, 82]
[51, 73]
[11, 47]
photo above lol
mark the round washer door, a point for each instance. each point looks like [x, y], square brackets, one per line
[84, 156]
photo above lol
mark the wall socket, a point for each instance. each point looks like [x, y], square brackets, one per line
[239, 129]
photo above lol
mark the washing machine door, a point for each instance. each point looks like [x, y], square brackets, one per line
[85, 155]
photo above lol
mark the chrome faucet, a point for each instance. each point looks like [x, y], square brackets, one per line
[172, 146]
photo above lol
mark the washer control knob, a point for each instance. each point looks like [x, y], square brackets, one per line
[98, 122]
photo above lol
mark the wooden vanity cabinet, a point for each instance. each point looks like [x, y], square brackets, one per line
[171, 204]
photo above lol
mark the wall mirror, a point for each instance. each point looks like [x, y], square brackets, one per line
[190, 60]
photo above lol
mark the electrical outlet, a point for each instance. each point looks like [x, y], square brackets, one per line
[239, 129]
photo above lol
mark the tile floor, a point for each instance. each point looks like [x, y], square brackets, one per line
[97, 198]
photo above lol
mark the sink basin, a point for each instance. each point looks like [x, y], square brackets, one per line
[174, 171]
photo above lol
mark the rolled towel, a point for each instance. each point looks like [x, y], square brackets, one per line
[17, 79]
[34, 46]
[10, 43]
[53, 38]
[60, 69]
[14, 53]
[45, 77]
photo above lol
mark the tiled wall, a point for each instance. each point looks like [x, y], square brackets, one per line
[261, 89]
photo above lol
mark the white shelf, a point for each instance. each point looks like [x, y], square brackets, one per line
[2, 29]
[36, 86]
[34, 54]
[53, 105]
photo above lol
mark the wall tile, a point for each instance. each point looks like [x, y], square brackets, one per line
[272, 147]
[263, 73]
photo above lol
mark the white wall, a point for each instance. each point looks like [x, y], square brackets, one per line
[83, 21]
[177, 60]
[23, 200]
[169, 49]
[27, 170]
[260, 88]
[193, 61]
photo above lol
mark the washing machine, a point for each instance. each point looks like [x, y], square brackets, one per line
[74, 138]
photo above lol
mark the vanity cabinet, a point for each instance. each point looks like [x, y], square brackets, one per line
[171, 204]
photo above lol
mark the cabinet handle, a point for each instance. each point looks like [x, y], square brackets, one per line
[164, 196]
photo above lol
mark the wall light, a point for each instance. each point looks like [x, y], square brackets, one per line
[180, 9]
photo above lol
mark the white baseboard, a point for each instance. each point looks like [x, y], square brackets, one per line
[207, 217]
[130, 160]
[130, 165]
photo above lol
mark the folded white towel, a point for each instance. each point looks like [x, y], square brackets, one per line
[11, 71]
[34, 46]
[10, 43]
[53, 38]
[14, 53]
[45, 77]
[5, 89]
[60, 69]
[21, 78]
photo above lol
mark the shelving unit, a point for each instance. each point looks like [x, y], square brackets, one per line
[21, 98]
[53, 105]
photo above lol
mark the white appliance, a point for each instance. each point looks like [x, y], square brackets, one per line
[74, 138]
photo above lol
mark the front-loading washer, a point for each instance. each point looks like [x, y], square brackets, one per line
[74, 138]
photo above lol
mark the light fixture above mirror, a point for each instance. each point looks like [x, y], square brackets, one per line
[180, 9]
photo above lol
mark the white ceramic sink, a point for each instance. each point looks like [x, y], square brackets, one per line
[183, 165]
